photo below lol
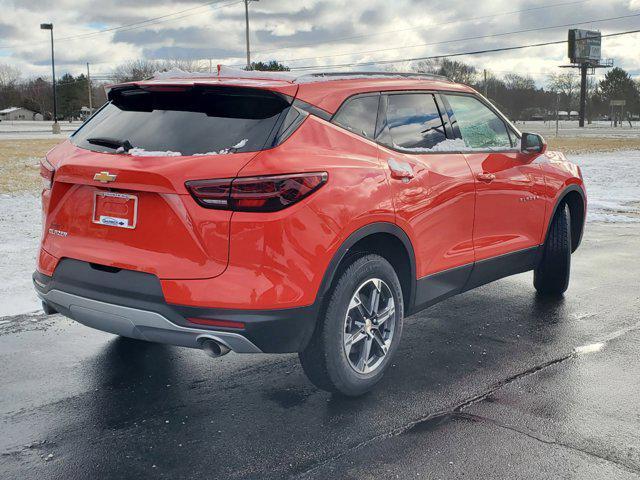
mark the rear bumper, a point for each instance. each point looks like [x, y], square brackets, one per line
[140, 324]
[131, 304]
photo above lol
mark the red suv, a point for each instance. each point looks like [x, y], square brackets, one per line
[309, 214]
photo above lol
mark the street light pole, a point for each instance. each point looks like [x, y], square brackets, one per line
[56, 127]
[246, 18]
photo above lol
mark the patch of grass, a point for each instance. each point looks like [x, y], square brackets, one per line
[20, 164]
[589, 144]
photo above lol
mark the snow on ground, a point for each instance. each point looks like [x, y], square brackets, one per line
[570, 128]
[613, 188]
[613, 185]
[19, 236]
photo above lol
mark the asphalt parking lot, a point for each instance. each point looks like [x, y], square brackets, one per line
[485, 385]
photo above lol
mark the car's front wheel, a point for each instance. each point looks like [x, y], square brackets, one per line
[551, 277]
[360, 330]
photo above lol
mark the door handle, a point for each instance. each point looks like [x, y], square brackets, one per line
[486, 177]
[400, 170]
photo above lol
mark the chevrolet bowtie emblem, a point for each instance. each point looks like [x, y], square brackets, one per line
[104, 177]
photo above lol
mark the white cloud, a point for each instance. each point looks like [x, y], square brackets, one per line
[288, 30]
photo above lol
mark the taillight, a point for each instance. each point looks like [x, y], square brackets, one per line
[47, 172]
[256, 194]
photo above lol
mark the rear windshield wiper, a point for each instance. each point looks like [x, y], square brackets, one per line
[111, 143]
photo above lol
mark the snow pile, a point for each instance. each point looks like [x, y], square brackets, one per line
[225, 72]
[451, 145]
[141, 152]
[224, 151]
[612, 181]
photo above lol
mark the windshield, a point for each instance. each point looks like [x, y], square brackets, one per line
[194, 121]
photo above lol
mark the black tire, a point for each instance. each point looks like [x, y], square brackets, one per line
[552, 275]
[325, 360]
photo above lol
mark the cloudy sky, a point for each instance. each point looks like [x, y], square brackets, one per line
[303, 33]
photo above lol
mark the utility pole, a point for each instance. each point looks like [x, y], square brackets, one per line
[56, 127]
[583, 92]
[486, 87]
[246, 17]
[89, 87]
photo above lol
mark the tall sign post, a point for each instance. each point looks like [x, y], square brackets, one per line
[585, 53]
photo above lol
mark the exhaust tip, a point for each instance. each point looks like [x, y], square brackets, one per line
[213, 348]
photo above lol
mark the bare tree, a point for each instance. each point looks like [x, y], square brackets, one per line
[9, 76]
[37, 96]
[454, 70]
[9, 83]
[567, 86]
[515, 81]
[135, 70]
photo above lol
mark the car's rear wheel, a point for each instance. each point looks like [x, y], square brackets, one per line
[551, 277]
[360, 330]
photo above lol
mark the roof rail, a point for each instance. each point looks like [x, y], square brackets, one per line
[330, 75]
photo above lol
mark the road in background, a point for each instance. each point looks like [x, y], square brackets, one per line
[16, 130]
[485, 384]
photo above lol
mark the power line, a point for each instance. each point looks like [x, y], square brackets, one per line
[440, 24]
[134, 25]
[478, 37]
[458, 54]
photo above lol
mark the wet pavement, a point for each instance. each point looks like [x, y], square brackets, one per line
[485, 385]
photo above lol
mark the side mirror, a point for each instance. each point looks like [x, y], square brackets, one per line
[532, 143]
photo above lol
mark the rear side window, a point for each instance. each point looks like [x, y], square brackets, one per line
[479, 126]
[186, 122]
[414, 121]
[359, 115]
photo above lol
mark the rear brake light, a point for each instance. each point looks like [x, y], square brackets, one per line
[47, 172]
[256, 194]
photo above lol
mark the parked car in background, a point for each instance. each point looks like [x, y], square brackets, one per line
[276, 214]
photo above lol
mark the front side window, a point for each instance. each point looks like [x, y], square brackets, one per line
[479, 126]
[359, 115]
[414, 122]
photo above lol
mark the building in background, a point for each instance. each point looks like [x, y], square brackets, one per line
[19, 113]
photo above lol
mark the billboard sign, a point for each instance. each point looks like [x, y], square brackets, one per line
[585, 46]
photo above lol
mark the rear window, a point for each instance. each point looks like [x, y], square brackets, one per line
[195, 121]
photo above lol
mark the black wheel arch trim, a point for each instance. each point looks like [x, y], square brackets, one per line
[361, 233]
[561, 198]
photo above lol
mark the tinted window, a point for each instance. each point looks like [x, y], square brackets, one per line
[359, 115]
[193, 121]
[479, 126]
[414, 121]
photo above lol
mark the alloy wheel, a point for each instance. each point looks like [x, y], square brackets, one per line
[369, 326]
